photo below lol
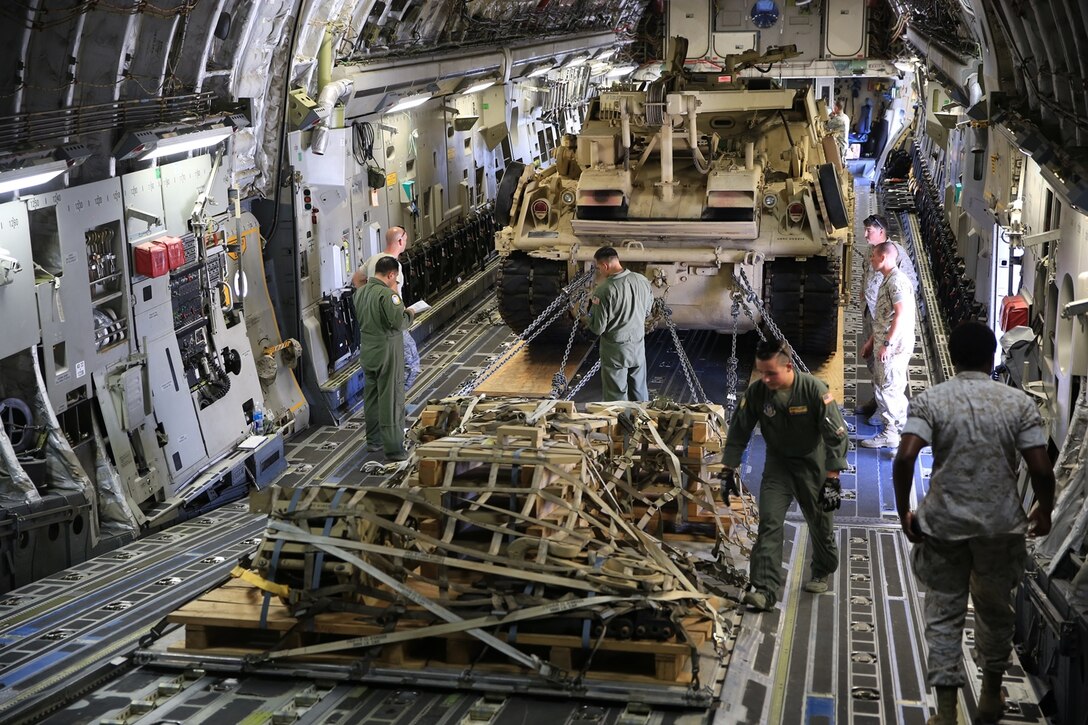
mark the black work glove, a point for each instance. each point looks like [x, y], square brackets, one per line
[830, 494]
[730, 483]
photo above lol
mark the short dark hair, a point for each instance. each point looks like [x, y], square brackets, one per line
[772, 346]
[876, 220]
[885, 248]
[385, 265]
[605, 253]
[972, 345]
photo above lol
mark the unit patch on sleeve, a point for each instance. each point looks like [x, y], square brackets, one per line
[395, 298]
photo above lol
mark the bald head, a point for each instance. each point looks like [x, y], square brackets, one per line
[887, 249]
[883, 256]
[396, 239]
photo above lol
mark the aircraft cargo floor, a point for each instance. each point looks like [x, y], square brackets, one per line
[852, 655]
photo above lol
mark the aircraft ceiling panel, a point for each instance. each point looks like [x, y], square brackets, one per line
[68, 59]
[148, 46]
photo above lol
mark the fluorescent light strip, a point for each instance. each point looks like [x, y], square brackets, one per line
[410, 102]
[477, 87]
[31, 176]
[183, 142]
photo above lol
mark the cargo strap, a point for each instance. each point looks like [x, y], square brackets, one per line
[531, 661]
[276, 551]
[252, 577]
[453, 622]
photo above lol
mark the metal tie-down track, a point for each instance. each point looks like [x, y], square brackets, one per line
[855, 654]
[869, 624]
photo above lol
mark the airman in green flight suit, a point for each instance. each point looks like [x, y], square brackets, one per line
[618, 309]
[806, 449]
[382, 320]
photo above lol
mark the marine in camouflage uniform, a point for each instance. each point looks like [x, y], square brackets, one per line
[876, 232]
[806, 448]
[618, 310]
[890, 346]
[838, 125]
[969, 529]
[382, 318]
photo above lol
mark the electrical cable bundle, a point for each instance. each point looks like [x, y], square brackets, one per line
[362, 148]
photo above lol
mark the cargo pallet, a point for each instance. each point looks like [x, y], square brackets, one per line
[227, 621]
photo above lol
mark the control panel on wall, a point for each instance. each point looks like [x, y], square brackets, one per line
[193, 287]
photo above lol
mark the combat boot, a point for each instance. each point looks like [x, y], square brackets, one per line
[758, 601]
[991, 700]
[946, 706]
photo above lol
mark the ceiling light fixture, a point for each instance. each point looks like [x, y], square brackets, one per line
[403, 103]
[42, 170]
[475, 86]
[148, 145]
[575, 61]
[169, 145]
[540, 70]
[31, 176]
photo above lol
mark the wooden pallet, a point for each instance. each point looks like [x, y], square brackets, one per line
[695, 514]
[704, 432]
[227, 620]
[529, 372]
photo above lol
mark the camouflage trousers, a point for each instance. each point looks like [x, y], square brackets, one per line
[989, 568]
[866, 332]
[412, 366]
[890, 388]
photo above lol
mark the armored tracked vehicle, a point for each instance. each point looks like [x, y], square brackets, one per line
[708, 184]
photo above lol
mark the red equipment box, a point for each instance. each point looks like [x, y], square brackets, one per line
[1014, 312]
[175, 251]
[150, 259]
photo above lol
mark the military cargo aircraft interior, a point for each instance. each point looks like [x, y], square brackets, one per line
[495, 362]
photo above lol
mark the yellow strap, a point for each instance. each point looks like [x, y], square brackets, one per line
[252, 577]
